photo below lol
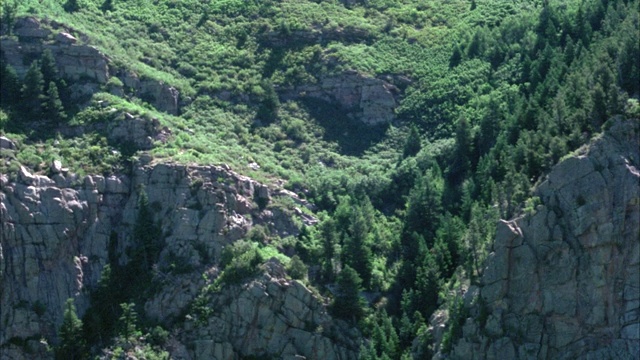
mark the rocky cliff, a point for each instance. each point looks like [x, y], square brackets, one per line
[59, 232]
[563, 282]
[367, 99]
[86, 67]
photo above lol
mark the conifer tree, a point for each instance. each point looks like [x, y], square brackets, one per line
[48, 67]
[456, 57]
[54, 109]
[127, 322]
[347, 303]
[413, 144]
[107, 5]
[10, 89]
[71, 341]
[9, 11]
[33, 92]
[71, 6]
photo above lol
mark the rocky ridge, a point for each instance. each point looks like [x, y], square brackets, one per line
[86, 66]
[59, 231]
[563, 282]
[270, 317]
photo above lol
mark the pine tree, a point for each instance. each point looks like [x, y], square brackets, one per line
[9, 11]
[270, 103]
[33, 92]
[456, 57]
[107, 5]
[71, 6]
[54, 108]
[48, 67]
[72, 346]
[347, 303]
[357, 250]
[413, 144]
[127, 322]
[146, 233]
[10, 89]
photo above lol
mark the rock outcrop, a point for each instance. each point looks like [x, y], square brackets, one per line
[367, 99]
[85, 65]
[58, 233]
[270, 317]
[564, 281]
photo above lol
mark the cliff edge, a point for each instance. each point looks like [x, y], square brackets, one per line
[563, 282]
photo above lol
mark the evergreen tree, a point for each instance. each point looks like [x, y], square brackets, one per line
[413, 144]
[72, 346]
[48, 67]
[147, 234]
[456, 57]
[461, 162]
[9, 11]
[269, 104]
[54, 108]
[357, 249]
[10, 88]
[347, 303]
[329, 241]
[33, 92]
[476, 46]
[424, 205]
[297, 269]
[127, 323]
[71, 6]
[107, 5]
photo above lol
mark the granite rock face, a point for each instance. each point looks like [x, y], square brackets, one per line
[58, 233]
[86, 66]
[270, 317]
[564, 281]
[367, 99]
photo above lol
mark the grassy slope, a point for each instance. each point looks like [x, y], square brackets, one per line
[204, 49]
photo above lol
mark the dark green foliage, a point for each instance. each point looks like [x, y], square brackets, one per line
[11, 87]
[413, 144]
[53, 107]
[107, 5]
[124, 284]
[71, 6]
[9, 11]
[48, 67]
[456, 56]
[347, 303]
[384, 343]
[72, 344]
[33, 95]
[424, 205]
[128, 322]
[147, 235]
[297, 269]
[269, 103]
[239, 261]
[457, 317]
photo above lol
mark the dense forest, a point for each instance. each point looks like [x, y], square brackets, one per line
[492, 95]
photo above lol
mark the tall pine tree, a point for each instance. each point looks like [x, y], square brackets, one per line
[72, 346]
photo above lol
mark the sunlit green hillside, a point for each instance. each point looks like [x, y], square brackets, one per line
[490, 95]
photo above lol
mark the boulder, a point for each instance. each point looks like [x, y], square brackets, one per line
[66, 38]
[6, 143]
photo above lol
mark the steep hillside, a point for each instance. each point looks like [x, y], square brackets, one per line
[563, 281]
[322, 179]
